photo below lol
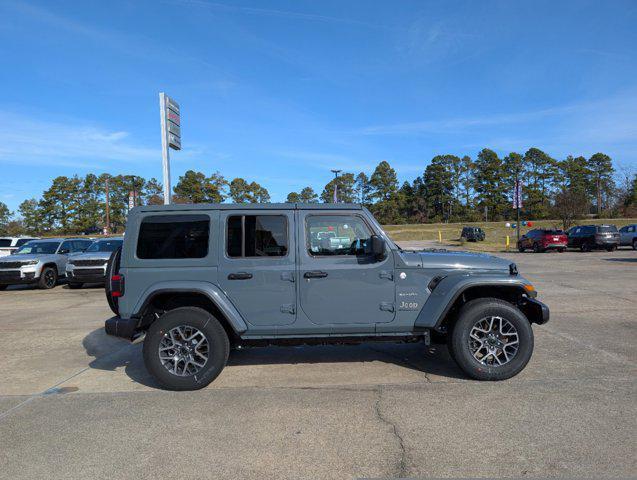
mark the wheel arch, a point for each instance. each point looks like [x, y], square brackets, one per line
[162, 298]
[441, 308]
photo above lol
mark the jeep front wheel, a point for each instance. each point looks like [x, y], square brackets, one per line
[186, 349]
[491, 340]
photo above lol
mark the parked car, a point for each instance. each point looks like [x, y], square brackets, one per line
[543, 239]
[41, 262]
[628, 236]
[472, 234]
[90, 266]
[8, 245]
[197, 278]
[589, 237]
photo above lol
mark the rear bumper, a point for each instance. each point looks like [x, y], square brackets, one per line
[121, 327]
[536, 311]
[550, 246]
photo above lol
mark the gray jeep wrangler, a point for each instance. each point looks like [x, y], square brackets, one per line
[198, 279]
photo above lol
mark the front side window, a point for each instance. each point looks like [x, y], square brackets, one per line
[173, 236]
[336, 235]
[257, 236]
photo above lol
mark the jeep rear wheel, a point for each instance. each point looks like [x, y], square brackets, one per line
[491, 340]
[48, 278]
[186, 349]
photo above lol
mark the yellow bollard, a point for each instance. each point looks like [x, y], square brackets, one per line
[508, 242]
[439, 236]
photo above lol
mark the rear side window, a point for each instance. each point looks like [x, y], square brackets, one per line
[5, 242]
[173, 236]
[22, 241]
[257, 236]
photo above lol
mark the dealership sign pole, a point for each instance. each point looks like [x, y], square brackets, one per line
[170, 137]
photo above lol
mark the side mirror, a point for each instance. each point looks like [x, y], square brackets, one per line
[376, 246]
[63, 251]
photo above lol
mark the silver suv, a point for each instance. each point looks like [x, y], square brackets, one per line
[40, 262]
[90, 266]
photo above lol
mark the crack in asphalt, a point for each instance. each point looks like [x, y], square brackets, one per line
[402, 463]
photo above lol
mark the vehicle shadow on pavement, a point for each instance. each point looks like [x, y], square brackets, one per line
[111, 353]
[630, 260]
[434, 360]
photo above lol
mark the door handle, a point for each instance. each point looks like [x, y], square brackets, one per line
[240, 276]
[315, 274]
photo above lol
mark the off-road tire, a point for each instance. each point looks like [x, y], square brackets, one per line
[458, 339]
[48, 278]
[219, 348]
[75, 285]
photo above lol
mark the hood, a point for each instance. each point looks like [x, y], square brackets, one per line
[25, 257]
[444, 259]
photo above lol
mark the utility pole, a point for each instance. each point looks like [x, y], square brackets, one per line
[518, 198]
[108, 211]
[336, 172]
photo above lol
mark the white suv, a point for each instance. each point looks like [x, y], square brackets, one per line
[8, 245]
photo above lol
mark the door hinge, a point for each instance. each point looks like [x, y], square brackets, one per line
[386, 274]
[387, 306]
[288, 308]
[288, 276]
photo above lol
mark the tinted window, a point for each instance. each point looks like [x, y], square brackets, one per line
[553, 232]
[607, 229]
[22, 241]
[257, 236]
[105, 246]
[336, 235]
[80, 245]
[5, 242]
[173, 236]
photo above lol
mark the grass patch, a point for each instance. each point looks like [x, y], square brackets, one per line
[496, 232]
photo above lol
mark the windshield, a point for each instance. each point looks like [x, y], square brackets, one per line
[38, 247]
[105, 246]
[607, 228]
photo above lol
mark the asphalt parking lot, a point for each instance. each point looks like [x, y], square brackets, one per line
[75, 403]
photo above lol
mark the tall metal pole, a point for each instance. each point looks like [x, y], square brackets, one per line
[164, 150]
[336, 172]
[518, 196]
[108, 211]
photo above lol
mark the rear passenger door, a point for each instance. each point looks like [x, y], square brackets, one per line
[257, 265]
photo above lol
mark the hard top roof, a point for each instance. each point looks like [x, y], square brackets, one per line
[247, 206]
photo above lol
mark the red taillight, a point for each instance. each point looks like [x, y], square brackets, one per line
[117, 286]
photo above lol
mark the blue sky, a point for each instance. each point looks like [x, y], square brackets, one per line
[282, 91]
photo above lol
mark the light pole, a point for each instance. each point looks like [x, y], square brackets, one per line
[336, 172]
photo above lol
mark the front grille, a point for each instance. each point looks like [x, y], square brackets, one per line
[89, 263]
[12, 264]
[10, 275]
[88, 272]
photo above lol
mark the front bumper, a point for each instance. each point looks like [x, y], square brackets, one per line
[535, 311]
[16, 277]
[121, 327]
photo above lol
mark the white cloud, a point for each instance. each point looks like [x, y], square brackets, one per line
[41, 142]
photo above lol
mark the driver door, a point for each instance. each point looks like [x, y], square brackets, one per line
[338, 283]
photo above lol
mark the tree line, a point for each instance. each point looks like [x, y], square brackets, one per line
[451, 188]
